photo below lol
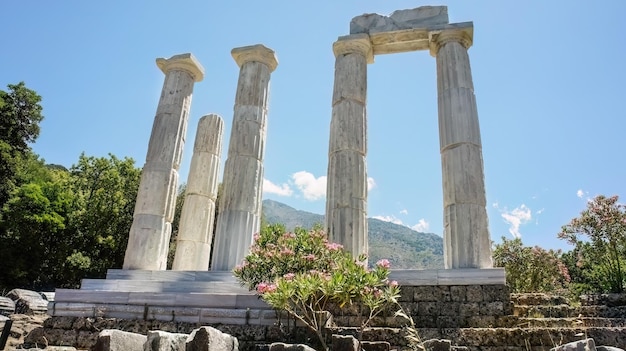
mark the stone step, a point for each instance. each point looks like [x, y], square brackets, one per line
[611, 300]
[564, 311]
[532, 299]
[510, 339]
[177, 276]
[413, 277]
[188, 286]
[568, 322]
[142, 298]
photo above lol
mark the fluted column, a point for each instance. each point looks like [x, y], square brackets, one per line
[346, 191]
[149, 236]
[195, 231]
[239, 215]
[466, 233]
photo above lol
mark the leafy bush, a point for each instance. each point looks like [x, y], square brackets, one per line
[599, 236]
[303, 273]
[530, 269]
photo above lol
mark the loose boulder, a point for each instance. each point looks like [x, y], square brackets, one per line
[281, 346]
[211, 339]
[117, 340]
[28, 302]
[163, 341]
[580, 345]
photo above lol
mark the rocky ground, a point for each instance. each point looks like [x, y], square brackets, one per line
[22, 325]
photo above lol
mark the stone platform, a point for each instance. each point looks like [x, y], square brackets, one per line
[209, 297]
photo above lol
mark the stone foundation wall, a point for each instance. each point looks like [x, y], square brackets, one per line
[444, 306]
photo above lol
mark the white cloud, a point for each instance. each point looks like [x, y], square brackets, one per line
[515, 218]
[580, 193]
[540, 211]
[371, 184]
[404, 212]
[271, 188]
[312, 188]
[421, 226]
[391, 219]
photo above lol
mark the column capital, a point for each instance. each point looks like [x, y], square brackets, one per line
[354, 44]
[184, 62]
[463, 36]
[255, 53]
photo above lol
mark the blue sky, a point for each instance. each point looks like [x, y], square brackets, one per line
[549, 81]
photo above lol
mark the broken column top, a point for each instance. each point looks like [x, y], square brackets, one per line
[185, 62]
[421, 17]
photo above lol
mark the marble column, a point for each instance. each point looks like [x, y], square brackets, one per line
[346, 190]
[239, 216]
[466, 233]
[195, 231]
[149, 236]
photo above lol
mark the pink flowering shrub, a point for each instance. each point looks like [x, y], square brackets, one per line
[303, 274]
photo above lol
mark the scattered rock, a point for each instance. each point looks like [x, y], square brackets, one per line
[117, 340]
[581, 345]
[280, 346]
[28, 302]
[164, 341]
[343, 343]
[211, 339]
[7, 306]
[437, 345]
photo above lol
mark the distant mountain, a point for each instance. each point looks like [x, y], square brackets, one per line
[401, 245]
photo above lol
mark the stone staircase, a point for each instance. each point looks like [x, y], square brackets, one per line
[539, 322]
[482, 316]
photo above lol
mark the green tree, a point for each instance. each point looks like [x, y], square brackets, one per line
[33, 230]
[530, 269]
[599, 235]
[106, 191]
[20, 115]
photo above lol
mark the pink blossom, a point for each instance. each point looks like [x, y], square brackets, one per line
[289, 276]
[393, 283]
[383, 263]
[377, 293]
[333, 246]
[263, 288]
[289, 235]
[286, 251]
[310, 257]
[256, 237]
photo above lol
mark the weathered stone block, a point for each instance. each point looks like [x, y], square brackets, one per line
[117, 340]
[27, 301]
[164, 341]
[469, 309]
[426, 294]
[582, 345]
[211, 339]
[429, 308]
[375, 346]
[437, 345]
[344, 343]
[279, 346]
[474, 293]
[458, 293]
[421, 17]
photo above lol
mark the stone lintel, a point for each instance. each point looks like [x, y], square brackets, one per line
[421, 17]
[255, 53]
[459, 32]
[406, 40]
[185, 62]
[400, 41]
[354, 43]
